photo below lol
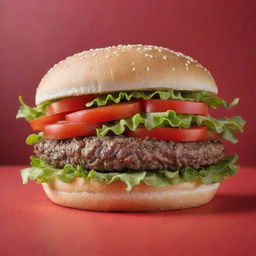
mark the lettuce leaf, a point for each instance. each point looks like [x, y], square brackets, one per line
[150, 121]
[33, 138]
[212, 100]
[42, 172]
[30, 113]
[226, 127]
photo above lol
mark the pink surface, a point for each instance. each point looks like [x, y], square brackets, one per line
[32, 225]
[37, 34]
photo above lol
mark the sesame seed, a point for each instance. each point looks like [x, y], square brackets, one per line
[133, 68]
[190, 58]
[147, 50]
[149, 55]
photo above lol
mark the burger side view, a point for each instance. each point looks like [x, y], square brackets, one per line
[127, 128]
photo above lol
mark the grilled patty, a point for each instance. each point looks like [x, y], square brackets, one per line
[119, 153]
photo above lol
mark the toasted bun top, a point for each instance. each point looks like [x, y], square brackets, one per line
[124, 68]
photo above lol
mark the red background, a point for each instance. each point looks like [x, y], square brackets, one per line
[35, 35]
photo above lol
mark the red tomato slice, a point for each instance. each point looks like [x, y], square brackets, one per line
[179, 106]
[174, 134]
[212, 136]
[69, 105]
[39, 123]
[64, 130]
[106, 113]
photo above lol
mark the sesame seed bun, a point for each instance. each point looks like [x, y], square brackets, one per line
[124, 68]
[90, 195]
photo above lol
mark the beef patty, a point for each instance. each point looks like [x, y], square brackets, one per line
[119, 153]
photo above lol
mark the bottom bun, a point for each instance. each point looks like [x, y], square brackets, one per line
[91, 195]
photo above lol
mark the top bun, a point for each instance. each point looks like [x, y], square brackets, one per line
[124, 68]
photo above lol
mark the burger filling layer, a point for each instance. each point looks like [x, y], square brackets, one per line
[156, 137]
[119, 153]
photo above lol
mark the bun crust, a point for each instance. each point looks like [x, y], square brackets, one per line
[124, 68]
[90, 195]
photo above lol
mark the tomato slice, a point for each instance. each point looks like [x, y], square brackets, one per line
[212, 136]
[64, 130]
[39, 123]
[69, 105]
[179, 106]
[174, 134]
[106, 113]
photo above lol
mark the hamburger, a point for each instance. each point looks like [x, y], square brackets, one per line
[127, 128]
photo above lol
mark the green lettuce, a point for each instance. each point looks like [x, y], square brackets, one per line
[30, 113]
[42, 172]
[212, 100]
[226, 127]
[33, 138]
